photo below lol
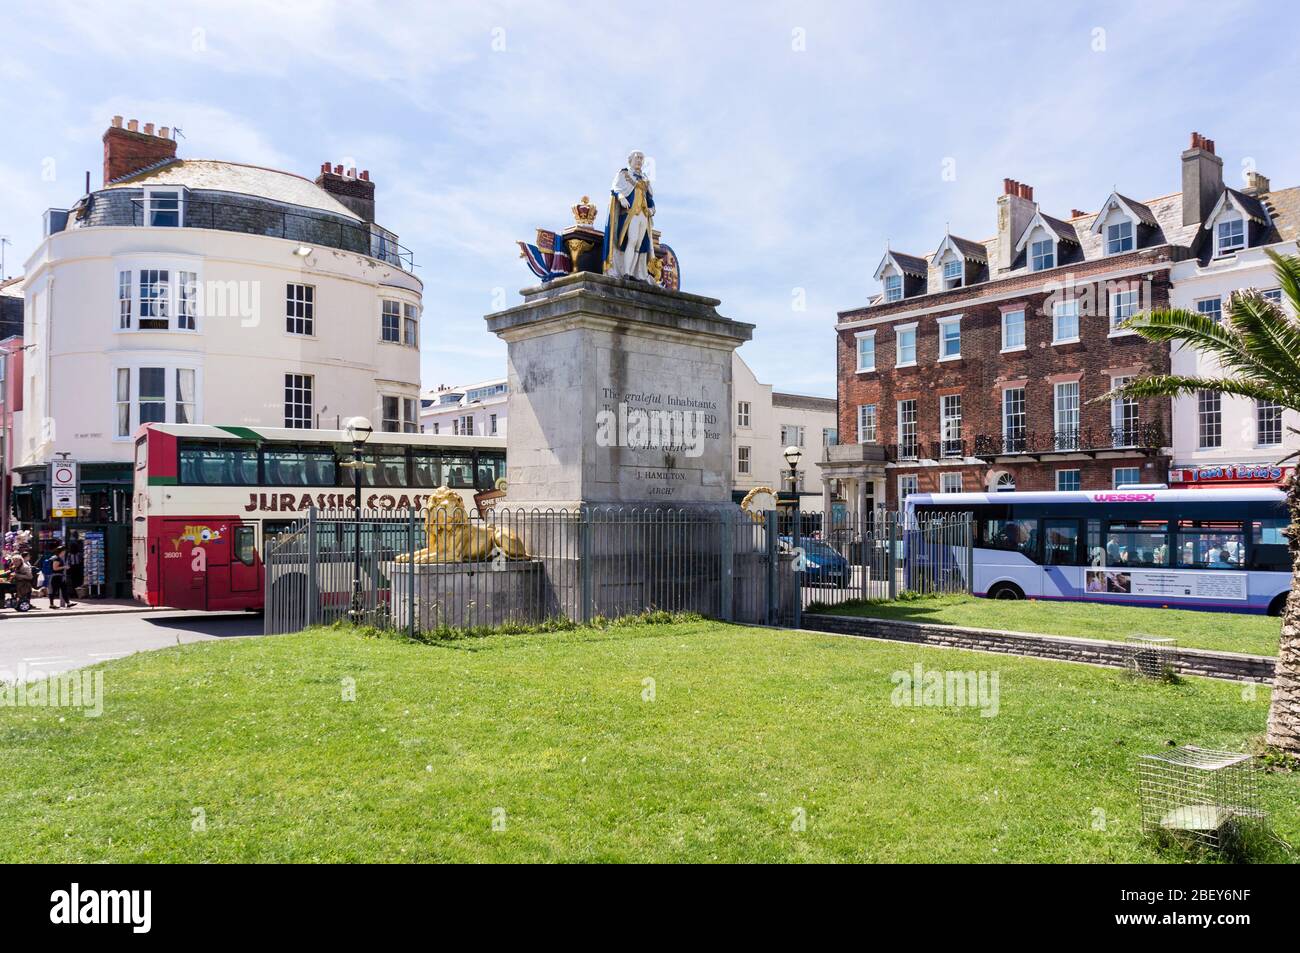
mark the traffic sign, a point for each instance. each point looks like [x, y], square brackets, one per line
[63, 489]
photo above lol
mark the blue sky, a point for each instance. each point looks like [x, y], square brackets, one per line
[789, 140]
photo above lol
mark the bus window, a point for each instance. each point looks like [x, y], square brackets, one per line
[425, 470]
[491, 467]
[1096, 551]
[216, 465]
[299, 467]
[142, 452]
[1137, 543]
[389, 469]
[1061, 543]
[1013, 535]
[1268, 547]
[1210, 544]
[458, 472]
[244, 545]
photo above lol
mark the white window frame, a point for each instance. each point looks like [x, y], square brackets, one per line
[148, 200]
[1127, 232]
[909, 479]
[1007, 432]
[1024, 331]
[1120, 299]
[744, 460]
[310, 388]
[1217, 310]
[944, 324]
[915, 442]
[859, 338]
[1059, 311]
[792, 435]
[184, 289]
[1115, 481]
[1078, 475]
[410, 327]
[1042, 261]
[899, 331]
[893, 285]
[743, 410]
[1120, 407]
[171, 362]
[1273, 408]
[307, 303]
[868, 423]
[1234, 218]
[1209, 418]
[948, 281]
[1061, 412]
[383, 313]
[950, 482]
[950, 424]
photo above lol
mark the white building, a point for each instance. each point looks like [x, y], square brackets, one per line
[1219, 439]
[202, 291]
[765, 422]
[475, 410]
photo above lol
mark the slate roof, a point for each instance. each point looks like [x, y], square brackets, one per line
[237, 178]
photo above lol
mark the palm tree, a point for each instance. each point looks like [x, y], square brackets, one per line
[1258, 350]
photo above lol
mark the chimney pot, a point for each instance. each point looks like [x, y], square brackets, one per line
[338, 170]
[133, 125]
[1029, 192]
[117, 122]
[148, 129]
[324, 167]
[1209, 144]
[365, 175]
[162, 133]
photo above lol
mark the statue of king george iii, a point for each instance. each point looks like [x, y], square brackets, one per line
[629, 246]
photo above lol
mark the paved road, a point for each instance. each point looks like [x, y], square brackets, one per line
[42, 644]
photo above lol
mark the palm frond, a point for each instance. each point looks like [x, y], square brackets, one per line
[1178, 385]
[1269, 335]
[1287, 269]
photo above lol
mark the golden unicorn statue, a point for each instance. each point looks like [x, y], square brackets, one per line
[451, 538]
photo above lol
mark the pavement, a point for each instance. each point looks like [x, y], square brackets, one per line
[41, 606]
[44, 642]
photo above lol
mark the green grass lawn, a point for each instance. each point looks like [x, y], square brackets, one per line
[1224, 631]
[746, 728]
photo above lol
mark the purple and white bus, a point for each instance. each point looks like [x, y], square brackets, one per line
[1219, 549]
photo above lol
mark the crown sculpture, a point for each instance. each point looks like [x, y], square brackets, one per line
[627, 247]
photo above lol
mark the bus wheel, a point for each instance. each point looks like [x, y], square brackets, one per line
[1278, 604]
[1006, 590]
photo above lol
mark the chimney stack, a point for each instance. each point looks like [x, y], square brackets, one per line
[130, 150]
[1202, 179]
[1015, 211]
[1256, 183]
[355, 192]
[1077, 213]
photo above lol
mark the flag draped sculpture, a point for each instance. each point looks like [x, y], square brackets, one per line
[629, 244]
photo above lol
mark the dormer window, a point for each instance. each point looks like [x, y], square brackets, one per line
[163, 207]
[1229, 236]
[1042, 255]
[952, 273]
[893, 287]
[1119, 237]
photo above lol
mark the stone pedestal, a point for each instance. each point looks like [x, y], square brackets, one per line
[586, 352]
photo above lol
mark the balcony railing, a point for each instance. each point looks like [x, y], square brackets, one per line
[305, 227]
[1145, 437]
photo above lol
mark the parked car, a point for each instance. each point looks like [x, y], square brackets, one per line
[823, 564]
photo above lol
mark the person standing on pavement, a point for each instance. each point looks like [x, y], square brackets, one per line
[59, 579]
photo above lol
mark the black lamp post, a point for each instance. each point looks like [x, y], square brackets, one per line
[792, 456]
[358, 431]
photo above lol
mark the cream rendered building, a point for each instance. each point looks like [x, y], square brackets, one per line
[200, 291]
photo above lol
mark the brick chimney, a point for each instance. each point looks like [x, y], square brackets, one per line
[1015, 210]
[355, 191]
[128, 150]
[1202, 179]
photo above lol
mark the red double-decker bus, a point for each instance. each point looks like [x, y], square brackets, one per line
[230, 490]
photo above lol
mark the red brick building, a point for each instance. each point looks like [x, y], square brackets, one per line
[977, 365]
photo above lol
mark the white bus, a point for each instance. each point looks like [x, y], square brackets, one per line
[231, 489]
[1217, 549]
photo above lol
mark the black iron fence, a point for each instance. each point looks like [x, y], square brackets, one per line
[1135, 437]
[456, 571]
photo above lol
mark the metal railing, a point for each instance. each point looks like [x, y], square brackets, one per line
[1135, 437]
[305, 227]
[527, 566]
[879, 554]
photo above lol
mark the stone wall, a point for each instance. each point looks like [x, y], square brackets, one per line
[1185, 661]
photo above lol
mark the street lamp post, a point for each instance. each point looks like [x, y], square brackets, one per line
[359, 431]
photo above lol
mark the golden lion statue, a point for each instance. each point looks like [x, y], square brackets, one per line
[451, 538]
